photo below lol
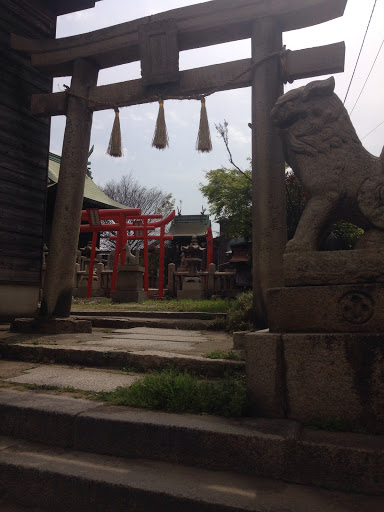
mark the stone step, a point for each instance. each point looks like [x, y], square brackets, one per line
[63, 480]
[122, 322]
[103, 357]
[181, 315]
[275, 449]
[65, 377]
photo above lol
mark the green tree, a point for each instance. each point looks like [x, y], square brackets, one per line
[229, 194]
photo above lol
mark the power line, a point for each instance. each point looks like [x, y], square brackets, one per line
[382, 122]
[369, 74]
[361, 48]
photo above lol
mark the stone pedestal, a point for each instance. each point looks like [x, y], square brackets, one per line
[335, 308]
[130, 284]
[323, 357]
[326, 378]
[193, 288]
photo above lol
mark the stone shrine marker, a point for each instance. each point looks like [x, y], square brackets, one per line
[156, 41]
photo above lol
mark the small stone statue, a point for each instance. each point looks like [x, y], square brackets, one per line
[131, 259]
[343, 179]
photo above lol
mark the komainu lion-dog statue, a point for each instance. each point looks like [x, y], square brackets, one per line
[343, 180]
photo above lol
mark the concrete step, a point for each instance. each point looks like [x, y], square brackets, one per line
[178, 315]
[275, 449]
[128, 322]
[63, 480]
[104, 357]
[144, 348]
[65, 377]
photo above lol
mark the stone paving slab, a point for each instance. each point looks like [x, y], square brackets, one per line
[10, 369]
[140, 344]
[208, 341]
[60, 376]
[175, 333]
[156, 337]
[127, 322]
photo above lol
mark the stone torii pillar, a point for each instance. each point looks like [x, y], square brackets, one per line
[269, 233]
[57, 292]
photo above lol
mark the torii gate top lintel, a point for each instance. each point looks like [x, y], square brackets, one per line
[199, 25]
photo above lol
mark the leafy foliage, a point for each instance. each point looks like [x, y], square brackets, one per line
[229, 194]
[239, 316]
[347, 233]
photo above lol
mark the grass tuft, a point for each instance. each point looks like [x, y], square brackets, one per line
[179, 305]
[239, 316]
[174, 391]
[220, 354]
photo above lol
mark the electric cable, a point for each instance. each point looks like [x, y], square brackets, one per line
[382, 122]
[361, 48]
[366, 80]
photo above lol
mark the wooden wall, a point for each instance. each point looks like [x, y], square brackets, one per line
[24, 145]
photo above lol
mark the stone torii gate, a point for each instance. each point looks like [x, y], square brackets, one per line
[156, 41]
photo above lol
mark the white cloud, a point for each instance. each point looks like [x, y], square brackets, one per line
[239, 136]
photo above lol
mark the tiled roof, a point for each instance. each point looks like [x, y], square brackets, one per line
[188, 225]
[91, 190]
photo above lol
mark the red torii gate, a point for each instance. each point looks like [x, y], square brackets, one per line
[124, 221]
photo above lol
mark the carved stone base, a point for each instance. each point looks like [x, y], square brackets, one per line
[338, 308]
[129, 296]
[333, 267]
[193, 288]
[129, 285]
[130, 277]
[330, 378]
[81, 292]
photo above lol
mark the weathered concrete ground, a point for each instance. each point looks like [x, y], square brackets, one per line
[145, 345]
[143, 339]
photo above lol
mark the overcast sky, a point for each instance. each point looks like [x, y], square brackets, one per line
[179, 169]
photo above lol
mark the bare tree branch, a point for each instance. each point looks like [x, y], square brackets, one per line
[222, 130]
[129, 192]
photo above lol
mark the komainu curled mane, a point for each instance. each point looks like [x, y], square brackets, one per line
[343, 180]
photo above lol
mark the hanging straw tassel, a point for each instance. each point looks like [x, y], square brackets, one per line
[203, 142]
[114, 147]
[160, 138]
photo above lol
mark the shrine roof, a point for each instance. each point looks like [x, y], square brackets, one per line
[188, 225]
[91, 191]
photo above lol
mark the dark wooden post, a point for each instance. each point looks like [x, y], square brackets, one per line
[57, 294]
[268, 196]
